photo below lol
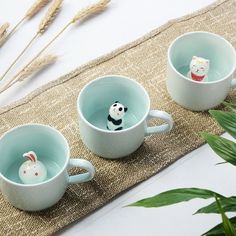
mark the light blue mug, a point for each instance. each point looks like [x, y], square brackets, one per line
[53, 151]
[195, 95]
[93, 105]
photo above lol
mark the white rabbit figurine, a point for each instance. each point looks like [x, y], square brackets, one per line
[32, 171]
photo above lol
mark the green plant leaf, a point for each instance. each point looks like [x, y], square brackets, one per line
[228, 205]
[231, 106]
[228, 227]
[223, 147]
[218, 230]
[227, 120]
[175, 196]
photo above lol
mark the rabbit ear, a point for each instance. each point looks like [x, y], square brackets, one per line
[194, 57]
[207, 62]
[31, 156]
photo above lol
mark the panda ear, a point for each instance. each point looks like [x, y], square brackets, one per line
[126, 109]
[116, 101]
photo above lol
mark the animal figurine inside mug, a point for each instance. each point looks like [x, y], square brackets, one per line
[115, 119]
[199, 68]
[32, 171]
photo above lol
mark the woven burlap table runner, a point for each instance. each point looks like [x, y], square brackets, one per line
[55, 105]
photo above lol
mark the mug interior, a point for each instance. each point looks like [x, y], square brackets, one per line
[97, 97]
[48, 144]
[207, 45]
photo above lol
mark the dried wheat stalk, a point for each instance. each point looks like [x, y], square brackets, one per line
[43, 26]
[3, 32]
[90, 10]
[50, 16]
[3, 29]
[31, 12]
[29, 70]
[35, 66]
[35, 8]
[85, 13]
[101, 5]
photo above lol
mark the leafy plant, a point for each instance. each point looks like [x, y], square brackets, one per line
[226, 149]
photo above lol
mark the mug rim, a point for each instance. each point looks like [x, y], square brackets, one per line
[112, 131]
[201, 82]
[55, 176]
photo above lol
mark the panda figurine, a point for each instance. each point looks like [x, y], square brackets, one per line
[115, 118]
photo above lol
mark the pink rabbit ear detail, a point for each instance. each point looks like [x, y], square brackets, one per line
[28, 156]
[31, 156]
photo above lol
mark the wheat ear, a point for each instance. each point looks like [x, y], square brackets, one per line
[90, 10]
[35, 8]
[34, 67]
[43, 26]
[3, 32]
[50, 16]
[31, 12]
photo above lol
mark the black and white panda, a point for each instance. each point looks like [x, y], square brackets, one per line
[115, 119]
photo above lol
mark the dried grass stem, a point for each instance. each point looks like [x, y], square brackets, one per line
[90, 10]
[32, 11]
[3, 32]
[50, 16]
[43, 26]
[35, 66]
[36, 7]
[81, 15]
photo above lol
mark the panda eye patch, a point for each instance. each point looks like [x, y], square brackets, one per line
[120, 109]
[115, 105]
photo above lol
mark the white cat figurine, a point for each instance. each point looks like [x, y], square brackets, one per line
[199, 68]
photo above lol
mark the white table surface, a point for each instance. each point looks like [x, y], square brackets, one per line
[123, 22]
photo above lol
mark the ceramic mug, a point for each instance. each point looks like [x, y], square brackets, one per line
[195, 95]
[93, 105]
[53, 151]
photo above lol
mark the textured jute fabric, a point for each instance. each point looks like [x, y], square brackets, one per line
[55, 105]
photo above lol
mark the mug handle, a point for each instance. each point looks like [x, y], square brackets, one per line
[81, 178]
[233, 83]
[159, 128]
